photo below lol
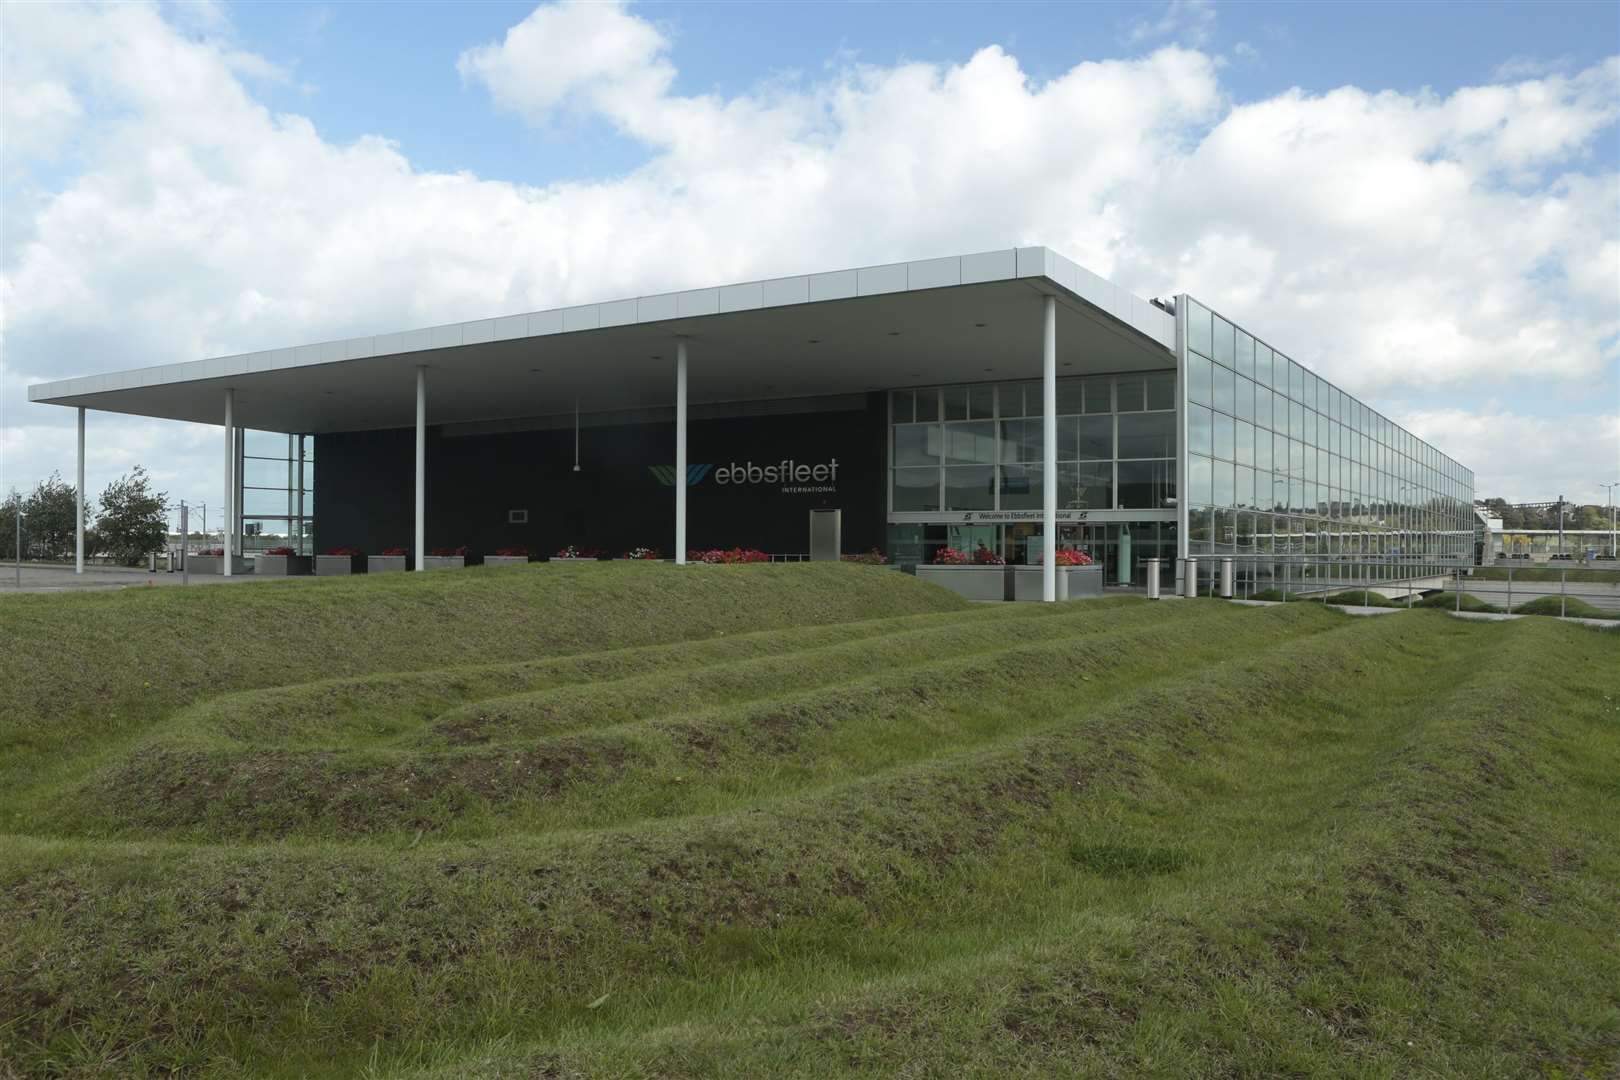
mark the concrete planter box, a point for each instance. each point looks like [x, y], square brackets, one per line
[444, 562]
[340, 564]
[282, 565]
[506, 560]
[1073, 582]
[215, 564]
[969, 582]
[387, 564]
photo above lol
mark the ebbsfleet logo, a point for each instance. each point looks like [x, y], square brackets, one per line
[666, 474]
[794, 476]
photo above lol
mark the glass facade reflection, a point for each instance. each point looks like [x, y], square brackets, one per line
[277, 496]
[1282, 462]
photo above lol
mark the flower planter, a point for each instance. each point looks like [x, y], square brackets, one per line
[387, 564]
[282, 565]
[215, 564]
[968, 581]
[444, 562]
[341, 564]
[506, 560]
[1073, 582]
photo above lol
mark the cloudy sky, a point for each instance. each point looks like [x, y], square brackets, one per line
[1422, 202]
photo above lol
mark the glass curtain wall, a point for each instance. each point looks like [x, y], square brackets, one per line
[1282, 462]
[278, 492]
[979, 446]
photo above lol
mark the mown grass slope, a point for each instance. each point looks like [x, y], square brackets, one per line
[1105, 838]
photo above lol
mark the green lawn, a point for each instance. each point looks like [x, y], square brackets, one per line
[808, 821]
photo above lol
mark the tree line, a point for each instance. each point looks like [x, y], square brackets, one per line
[1576, 517]
[130, 520]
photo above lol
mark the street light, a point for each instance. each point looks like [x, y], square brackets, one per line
[1611, 488]
[20, 516]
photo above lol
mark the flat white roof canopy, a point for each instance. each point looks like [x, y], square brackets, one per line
[965, 318]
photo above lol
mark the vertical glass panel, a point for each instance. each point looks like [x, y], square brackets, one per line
[1225, 489]
[1086, 486]
[262, 472]
[1199, 480]
[1296, 459]
[1296, 420]
[916, 444]
[1128, 393]
[1262, 490]
[1310, 427]
[1245, 399]
[1148, 435]
[1262, 406]
[269, 444]
[1021, 487]
[1094, 438]
[1225, 390]
[1245, 487]
[1262, 448]
[1296, 381]
[1245, 355]
[1225, 343]
[1200, 429]
[1099, 394]
[1070, 394]
[1146, 485]
[1161, 389]
[981, 401]
[1200, 333]
[1225, 437]
[970, 443]
[955, 398]
[1199, 380]
[969, 487]
[916, 489]
[903, 408]
[1262, 364]
[1279, 413]
[927, 400]
[1244, 454]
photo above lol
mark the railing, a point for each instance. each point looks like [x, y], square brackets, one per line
[1408, 580]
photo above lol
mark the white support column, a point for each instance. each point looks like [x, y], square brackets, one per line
[78, 511]
[226, 532]
[1049, 454]
[419, 551]
[680, 452]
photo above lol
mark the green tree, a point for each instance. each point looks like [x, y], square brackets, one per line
[134, 519]
[50, 511]
[8, 525]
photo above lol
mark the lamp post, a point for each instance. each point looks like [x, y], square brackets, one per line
[20, 516]
[1612, 553]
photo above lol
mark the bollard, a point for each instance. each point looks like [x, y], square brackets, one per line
[1226, 579]
[1189, 584]
[1153, 579]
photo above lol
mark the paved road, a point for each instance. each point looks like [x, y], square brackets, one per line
[51, 579]
[1600, 594]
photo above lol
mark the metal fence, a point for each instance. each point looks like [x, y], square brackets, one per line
[1382, 580]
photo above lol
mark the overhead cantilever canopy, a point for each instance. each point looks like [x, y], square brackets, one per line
[961, 319]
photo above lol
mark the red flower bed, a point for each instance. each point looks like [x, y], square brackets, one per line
[949, 556]
[212, 551]
[448, 552]
[511, 552]
[1071, 557]
[349, 552]
[870, 558]
[727, 555]
[651, 554]
[395, 551]
[280, 551]
[573, 551]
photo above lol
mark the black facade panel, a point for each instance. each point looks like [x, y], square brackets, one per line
[622, 497]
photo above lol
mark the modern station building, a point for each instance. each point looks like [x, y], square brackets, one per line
[1009, 399]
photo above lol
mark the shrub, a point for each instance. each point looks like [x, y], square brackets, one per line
[983, 556]
[727, 555]
[949, 556]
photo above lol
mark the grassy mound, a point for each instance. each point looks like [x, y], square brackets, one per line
[1106, 838]
[1450, 602]
[1571, 606]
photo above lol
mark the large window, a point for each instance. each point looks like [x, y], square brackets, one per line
[1309, 467]
[278, 491]
[981, 447]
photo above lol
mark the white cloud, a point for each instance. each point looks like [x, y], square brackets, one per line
[1188, 21]
[1534, 458]
[1398, 243]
